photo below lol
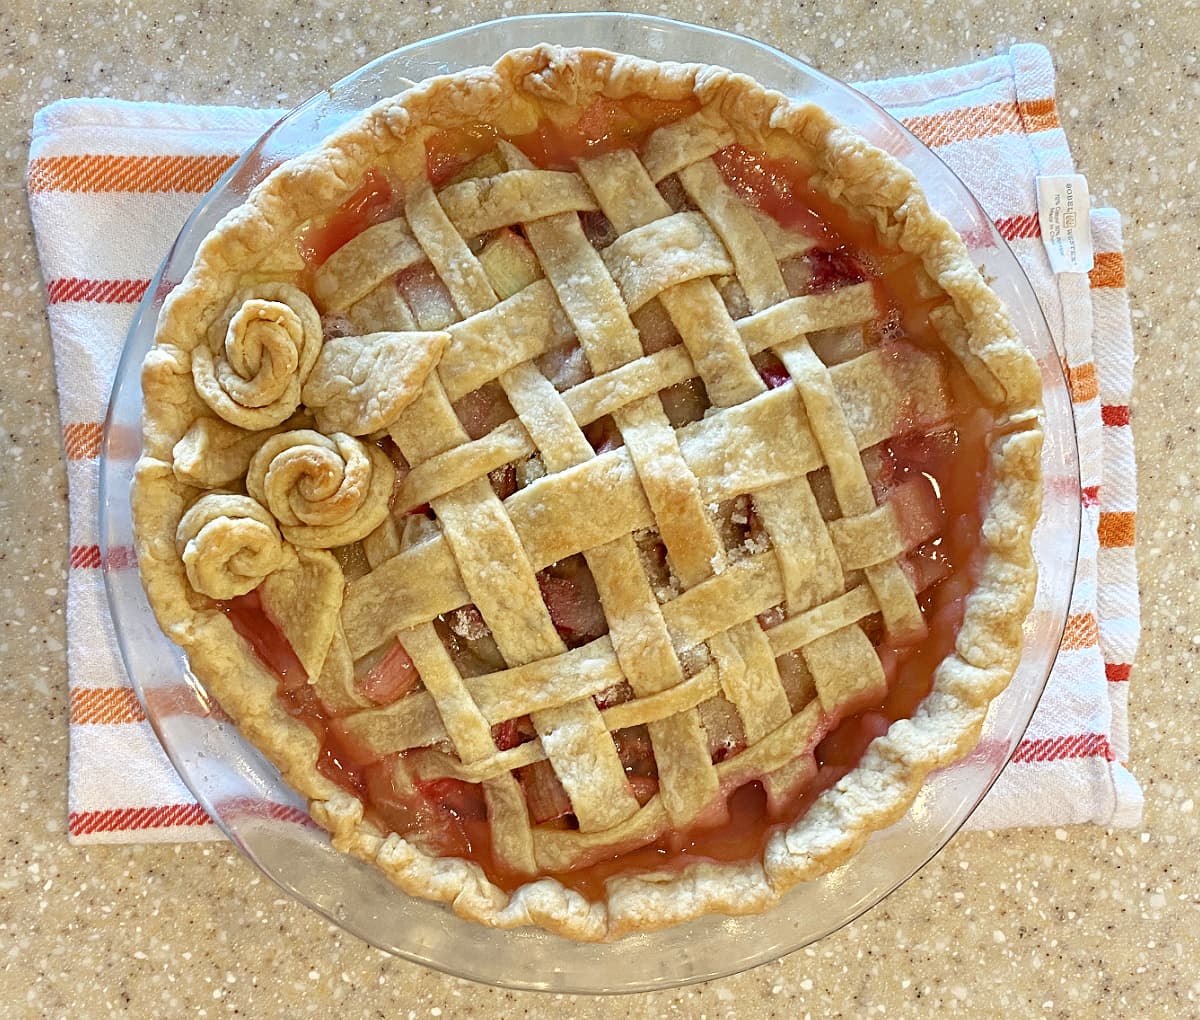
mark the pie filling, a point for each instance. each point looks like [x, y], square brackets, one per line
[931, 472]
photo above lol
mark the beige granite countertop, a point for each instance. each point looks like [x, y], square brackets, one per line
[1069, 923]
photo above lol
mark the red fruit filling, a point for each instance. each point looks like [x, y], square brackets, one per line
[949, 469]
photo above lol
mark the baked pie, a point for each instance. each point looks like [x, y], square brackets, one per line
[604, 488]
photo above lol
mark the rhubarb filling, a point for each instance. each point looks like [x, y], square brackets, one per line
[939, 481]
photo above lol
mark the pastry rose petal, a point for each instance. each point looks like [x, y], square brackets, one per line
[325, 491]
[360, 384]
[305, 596]
[213, 454]
[258, 355]
[229, 544]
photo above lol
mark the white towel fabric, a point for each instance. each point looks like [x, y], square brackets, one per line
[111, 183]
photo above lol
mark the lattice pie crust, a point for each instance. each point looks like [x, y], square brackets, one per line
[260, 456]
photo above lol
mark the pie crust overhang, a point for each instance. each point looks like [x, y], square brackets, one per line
[258, 458]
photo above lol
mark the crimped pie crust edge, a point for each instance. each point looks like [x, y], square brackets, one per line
[884, 784]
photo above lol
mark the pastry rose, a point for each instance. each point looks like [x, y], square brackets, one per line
[325, 491]
[228, 544]
[252, 374]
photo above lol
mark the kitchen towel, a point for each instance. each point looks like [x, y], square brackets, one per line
[110, 184]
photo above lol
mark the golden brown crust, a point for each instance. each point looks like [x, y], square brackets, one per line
[239, 263]
[229, 544]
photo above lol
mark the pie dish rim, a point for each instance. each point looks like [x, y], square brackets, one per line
[338, 820]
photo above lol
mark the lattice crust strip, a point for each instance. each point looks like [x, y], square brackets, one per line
[766, 441]
[830, 576]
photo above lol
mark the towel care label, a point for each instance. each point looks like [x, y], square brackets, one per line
[1066, 225]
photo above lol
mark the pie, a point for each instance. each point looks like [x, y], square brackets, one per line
[603, 488]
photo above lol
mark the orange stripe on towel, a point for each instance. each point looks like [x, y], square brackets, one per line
[1039, 114]
[1117, 529]
[1081, 632]
[105, 706]
[1082, 378]
[1109, 270]
[113, 706]
[984, 121]
[192, 174]
[81, 440]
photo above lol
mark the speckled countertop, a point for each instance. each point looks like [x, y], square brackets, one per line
[1066, 923]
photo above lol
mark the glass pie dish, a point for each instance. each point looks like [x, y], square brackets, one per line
[259, 813]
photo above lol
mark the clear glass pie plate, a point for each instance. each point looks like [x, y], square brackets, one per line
[245, 795]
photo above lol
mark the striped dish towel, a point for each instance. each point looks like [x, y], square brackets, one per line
[110, 184]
